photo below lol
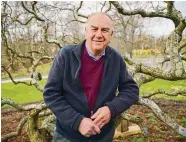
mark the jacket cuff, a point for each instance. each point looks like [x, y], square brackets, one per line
[112, 110]
[77, 122]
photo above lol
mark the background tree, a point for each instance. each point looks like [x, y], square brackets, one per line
[32, 33]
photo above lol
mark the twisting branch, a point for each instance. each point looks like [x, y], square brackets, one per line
[172, 93]
[34, 132]
[34, 51]
[76, 14]
[169, 6]
[142, 79]
[153, 71]
[42, 58]
[30, 19]
[46, 37]
[49, 124]
[144, 13]
[15, 82]
[183, 57]
[103, 6]
[8, 101]
[162, 116]
[18, 131]
[77, 11]
[109, 8]
[32, 12]
[182, 46]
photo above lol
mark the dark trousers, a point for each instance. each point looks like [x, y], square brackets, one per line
[107, 138]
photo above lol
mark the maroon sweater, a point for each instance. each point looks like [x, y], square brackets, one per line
[91, 73]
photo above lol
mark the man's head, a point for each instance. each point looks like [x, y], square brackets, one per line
[99, 30]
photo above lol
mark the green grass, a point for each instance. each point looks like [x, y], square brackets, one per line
[43, 69]
[164, 85]
[20, 93]
[23, 94]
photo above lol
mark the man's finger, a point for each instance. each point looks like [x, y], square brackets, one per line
[99, 124]
[93, 132]
[97, 129]
[98, 119]
[95, 115]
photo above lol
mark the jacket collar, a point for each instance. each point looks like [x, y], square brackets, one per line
[78, 49]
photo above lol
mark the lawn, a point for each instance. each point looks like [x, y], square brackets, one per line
[25, 94]
[165, 85]
[20, 93]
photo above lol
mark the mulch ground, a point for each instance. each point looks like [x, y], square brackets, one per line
[157, 130]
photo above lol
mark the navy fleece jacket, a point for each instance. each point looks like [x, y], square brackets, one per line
[64, 95]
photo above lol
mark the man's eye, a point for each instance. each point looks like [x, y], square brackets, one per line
[105, 30]
[94, 29]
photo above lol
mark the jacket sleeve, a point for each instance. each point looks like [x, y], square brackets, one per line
[128, 92]
[53, 95]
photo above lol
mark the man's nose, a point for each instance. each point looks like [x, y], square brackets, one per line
[99, 34]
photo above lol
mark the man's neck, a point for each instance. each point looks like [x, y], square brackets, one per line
[95, 53]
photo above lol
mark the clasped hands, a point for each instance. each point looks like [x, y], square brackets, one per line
[92, 126]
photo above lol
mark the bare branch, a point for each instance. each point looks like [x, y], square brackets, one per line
[142, 78]
[183, 57]
[18, 131]
[49, 124]
[108, 9]
[182, 46]
[77, 11]
[170, 5]
[141, 12]
[103, 6]
[162, 116]
[38, 109]
[15, 82]
[176, 17]
[152, 71]
[46, 37]
[32, 12]
[30, 19]
[34, 51]
[8, 101]
[172, 93]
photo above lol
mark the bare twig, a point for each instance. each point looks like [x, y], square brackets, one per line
[15, 82]
[32, 12]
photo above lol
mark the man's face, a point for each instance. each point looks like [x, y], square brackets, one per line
[99, 31]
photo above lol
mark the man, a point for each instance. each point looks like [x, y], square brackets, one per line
[82, 84]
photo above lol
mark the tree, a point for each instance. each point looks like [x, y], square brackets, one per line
[40, 18]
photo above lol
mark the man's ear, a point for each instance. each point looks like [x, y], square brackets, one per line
[112, 33]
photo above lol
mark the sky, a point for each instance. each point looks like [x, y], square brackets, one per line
[157, 27]
[153, 26]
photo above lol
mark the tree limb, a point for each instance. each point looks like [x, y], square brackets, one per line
[153, 71]
[32, 12]
[181, 46]
[175, 17]
[162, 116]
[18, 131]
[171, 93]
[46, 37]
[8, 101]
[15, 82]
